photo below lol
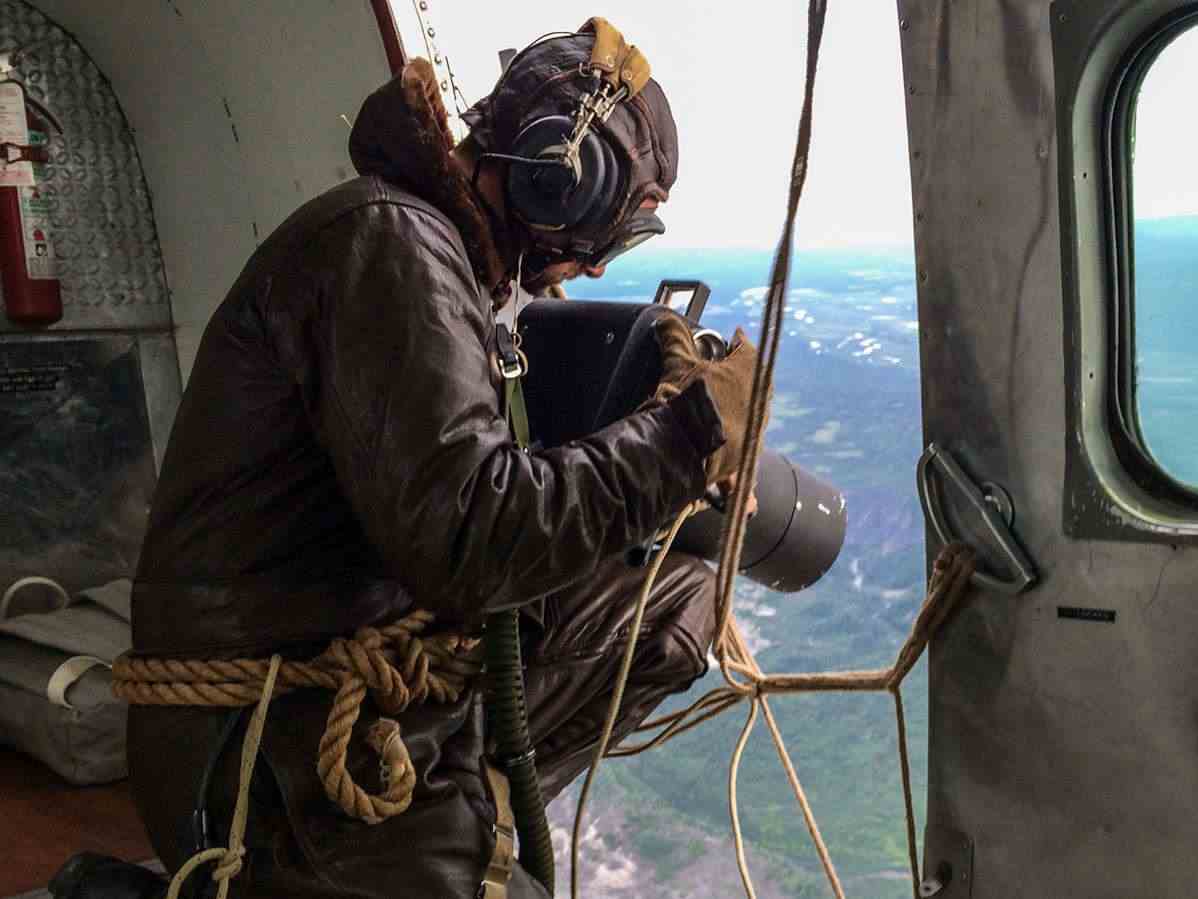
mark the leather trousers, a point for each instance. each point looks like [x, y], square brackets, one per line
[571, 659]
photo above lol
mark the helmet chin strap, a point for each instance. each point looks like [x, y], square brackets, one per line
[509, 313]
[504, 228]
[517, 285]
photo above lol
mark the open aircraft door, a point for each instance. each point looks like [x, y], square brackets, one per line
[1063, 726]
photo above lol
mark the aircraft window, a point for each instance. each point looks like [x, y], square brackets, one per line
[1163, 258]
[847, 409]
[1155, 193]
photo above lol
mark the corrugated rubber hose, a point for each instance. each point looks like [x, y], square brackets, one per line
[507, 719]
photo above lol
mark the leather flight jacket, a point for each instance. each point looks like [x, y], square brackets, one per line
[339, 457]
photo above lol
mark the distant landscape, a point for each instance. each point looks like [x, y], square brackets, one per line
[847, 408]
[1166, 322]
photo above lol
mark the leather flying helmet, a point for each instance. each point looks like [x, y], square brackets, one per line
[595, 138]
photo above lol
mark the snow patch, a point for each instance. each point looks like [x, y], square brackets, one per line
[827, 433]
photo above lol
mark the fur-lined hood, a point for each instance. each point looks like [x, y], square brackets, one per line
[402, 135]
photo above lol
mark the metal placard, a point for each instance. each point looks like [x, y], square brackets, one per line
[76, 459]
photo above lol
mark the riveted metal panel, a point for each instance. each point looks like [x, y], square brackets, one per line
[239, 111]
[100, 212]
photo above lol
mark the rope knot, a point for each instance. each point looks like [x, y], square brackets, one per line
[396, 664]
[363, 659]
[230, 864]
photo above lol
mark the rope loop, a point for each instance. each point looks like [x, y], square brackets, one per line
[396, 665]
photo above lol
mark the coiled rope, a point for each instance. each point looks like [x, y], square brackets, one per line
[398, 665]
[744, 679]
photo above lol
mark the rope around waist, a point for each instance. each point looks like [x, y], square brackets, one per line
[396, 664]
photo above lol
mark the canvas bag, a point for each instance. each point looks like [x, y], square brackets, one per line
[56, 701]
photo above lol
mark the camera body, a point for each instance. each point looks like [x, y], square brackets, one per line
[592, 363]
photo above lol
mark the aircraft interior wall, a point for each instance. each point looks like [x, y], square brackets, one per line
[189, 131]
[1062, 730]
[235, 107]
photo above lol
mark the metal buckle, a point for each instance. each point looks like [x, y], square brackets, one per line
[513, 368]
[512, 362]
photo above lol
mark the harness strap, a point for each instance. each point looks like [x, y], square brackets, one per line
[499, 870]
[517, 412]
[513, 365]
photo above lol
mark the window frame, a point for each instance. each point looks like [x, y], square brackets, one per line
[1118, 121]
[1113, 488]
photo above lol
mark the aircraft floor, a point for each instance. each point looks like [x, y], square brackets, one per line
[44, 820]
[42, 893]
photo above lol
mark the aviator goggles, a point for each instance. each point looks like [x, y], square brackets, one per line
[633, 232]
[637, 229]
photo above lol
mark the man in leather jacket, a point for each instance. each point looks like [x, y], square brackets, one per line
[340, 457]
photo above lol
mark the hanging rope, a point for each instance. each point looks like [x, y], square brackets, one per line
[228, 860]
[396, 664]
[744, 679]
[613, 710]
[950, 579]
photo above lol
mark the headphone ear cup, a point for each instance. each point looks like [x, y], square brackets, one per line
[606, 186]
[549, 196]
[539, 194]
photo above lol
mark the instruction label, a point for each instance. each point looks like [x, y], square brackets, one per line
[31, 379]
[1078, 614]
[14, 129]
[40, 259]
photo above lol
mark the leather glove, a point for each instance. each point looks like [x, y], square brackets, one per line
[729, 381]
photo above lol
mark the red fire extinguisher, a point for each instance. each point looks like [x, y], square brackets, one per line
[28, 265]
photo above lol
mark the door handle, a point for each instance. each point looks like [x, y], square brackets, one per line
[996, 512]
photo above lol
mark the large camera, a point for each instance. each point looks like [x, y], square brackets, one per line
[592, 363]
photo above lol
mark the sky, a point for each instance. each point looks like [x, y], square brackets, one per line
[734, 76]
[1165, 178]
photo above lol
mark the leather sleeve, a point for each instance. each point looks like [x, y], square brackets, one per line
[391, 350]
